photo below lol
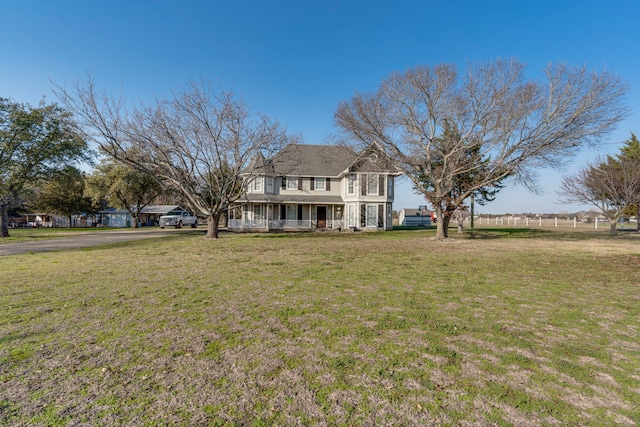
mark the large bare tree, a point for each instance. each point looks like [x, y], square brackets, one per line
[612, 185]
[508, 124]
[196, 144]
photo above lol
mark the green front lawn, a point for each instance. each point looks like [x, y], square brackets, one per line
[343, 328]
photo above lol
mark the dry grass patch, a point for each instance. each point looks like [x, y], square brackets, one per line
[329, 329]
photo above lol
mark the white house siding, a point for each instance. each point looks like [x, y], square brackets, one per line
[296, 200]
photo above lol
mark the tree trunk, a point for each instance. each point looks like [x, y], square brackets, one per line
[69, 218]
[446, 218]
[4, 220]
[614, 228]
[460, 224]
[442, 225]
[213, 226]
[136, 221]
[440, 233]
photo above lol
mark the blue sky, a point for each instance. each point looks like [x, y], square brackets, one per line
[296, 60]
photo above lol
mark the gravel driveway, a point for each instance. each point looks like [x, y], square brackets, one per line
[81, 240]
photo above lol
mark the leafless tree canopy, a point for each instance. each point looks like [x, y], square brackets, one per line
[196, 144]
[512, 124]
[611, 186]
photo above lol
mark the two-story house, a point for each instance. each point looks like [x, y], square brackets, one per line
[316, 187]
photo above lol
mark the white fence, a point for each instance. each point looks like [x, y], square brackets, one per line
[554, 222]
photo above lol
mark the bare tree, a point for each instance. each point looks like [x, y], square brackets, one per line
[611, 186]
[196, 144]
[512, 125]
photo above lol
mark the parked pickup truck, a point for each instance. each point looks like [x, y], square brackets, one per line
[177, 219]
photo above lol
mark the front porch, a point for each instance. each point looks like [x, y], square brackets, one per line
[247, 224]
[286, 217]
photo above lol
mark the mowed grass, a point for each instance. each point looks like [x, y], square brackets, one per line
[388, 328]
[34, 234]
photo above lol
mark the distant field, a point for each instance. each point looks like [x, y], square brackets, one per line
[515, 327]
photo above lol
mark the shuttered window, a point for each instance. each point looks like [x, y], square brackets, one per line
[372, 215]
[351, 215]
[291, 212]
[351, 184]
[372, 184]
[292, 183]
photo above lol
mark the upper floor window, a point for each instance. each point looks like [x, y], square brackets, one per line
[269, 186]
[372, 184]
[321, 183]
[390, 185]
[351, 184]
[257, 184]
[292, 183]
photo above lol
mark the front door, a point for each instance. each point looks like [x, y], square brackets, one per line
[322, 216]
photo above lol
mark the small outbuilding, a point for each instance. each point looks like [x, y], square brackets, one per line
[415, 217]
[149, 215]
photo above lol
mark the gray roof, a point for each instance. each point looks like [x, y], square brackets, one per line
[160, 209]
[152, 209]
[416, 212]
[313, 160]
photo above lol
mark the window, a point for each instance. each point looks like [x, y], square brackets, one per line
[257, 212]
[320, 184]
[292, 210]
[372, 184]
[351, 184]
[257, 184]
[372, 215]
[390, 185]
[292, 183]
[269, 185]
[351, 215]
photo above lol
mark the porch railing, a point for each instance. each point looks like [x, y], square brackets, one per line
[276, 224]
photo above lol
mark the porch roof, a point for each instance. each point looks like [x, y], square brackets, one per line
[292, 199]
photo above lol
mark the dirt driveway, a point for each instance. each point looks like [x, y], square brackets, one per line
[82, 240]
